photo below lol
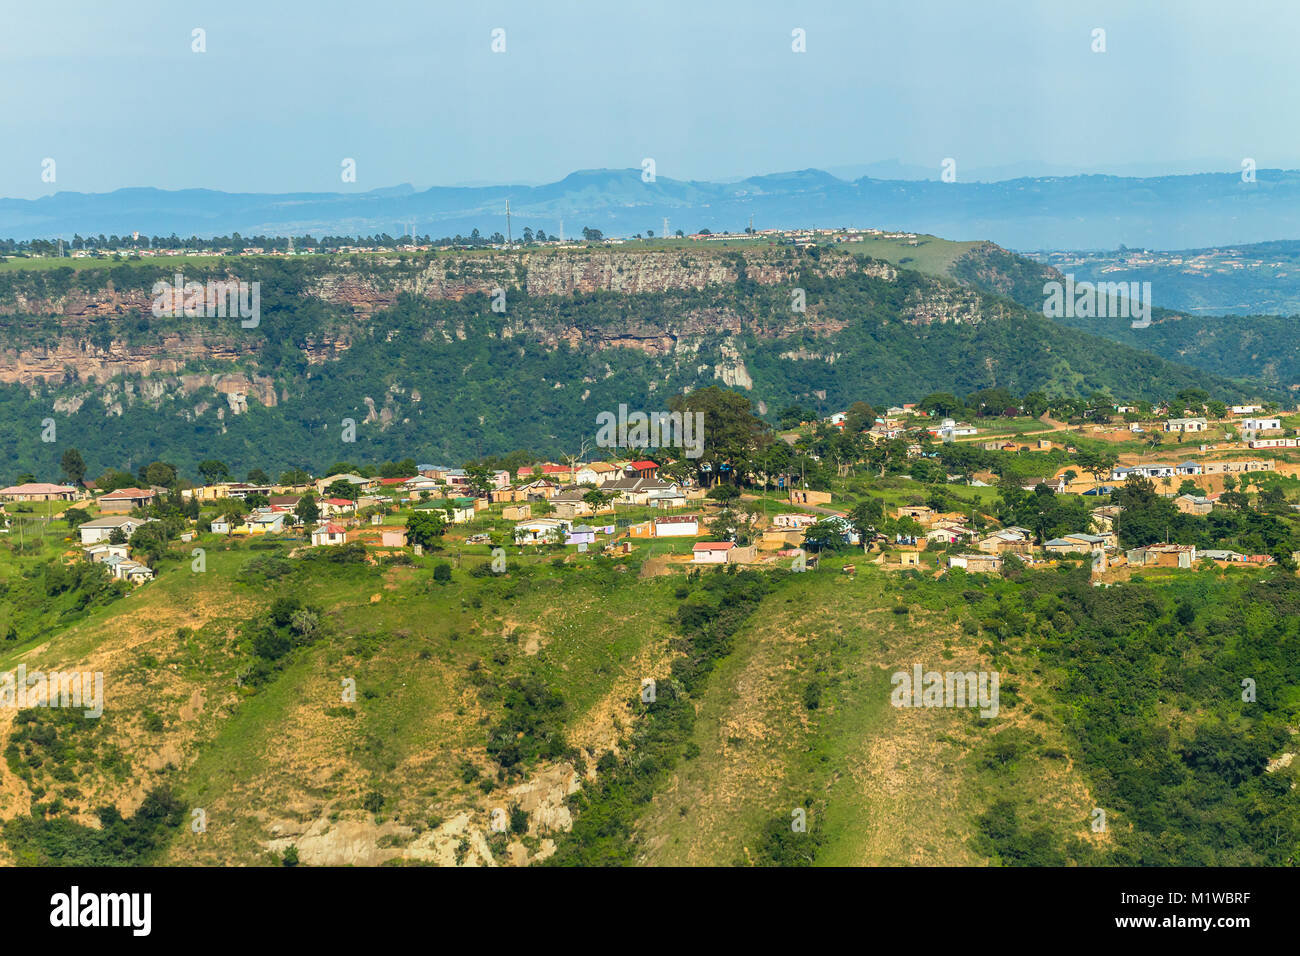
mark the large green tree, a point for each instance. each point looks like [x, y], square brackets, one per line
[211, 470]
[731, 434]
[425, 528]
[73, 466]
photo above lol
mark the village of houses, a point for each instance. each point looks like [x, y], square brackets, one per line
[1242, 445]
[367, 517]
[549, 504]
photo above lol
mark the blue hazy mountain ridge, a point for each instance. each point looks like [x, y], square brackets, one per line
[1060, 212]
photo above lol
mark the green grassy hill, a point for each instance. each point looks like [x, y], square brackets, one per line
[341, 711]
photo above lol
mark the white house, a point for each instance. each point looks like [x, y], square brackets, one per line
[357, 481]
[793, 521]
[103, 551]
[1261, 424]
[124, 569]
[711, 552]
[540, 530]
[99, 529]
[1146, 471]
[677, 526]
[328, 534]
[949, 532]
[461, 514]
[982, 563]
[132, 571]
[1186, 425]
[950, 428]
[420, 483]
[336, 506]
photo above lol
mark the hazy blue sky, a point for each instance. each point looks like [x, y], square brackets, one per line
[709, 88]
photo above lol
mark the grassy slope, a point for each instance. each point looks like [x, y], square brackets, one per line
[255, 761]
[931, 255]
[881, 785]
[890, 785]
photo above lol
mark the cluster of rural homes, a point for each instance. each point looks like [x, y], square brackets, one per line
[574, 516]
[987, 550]
[1193, 469]
[1257, 428]
[96, 535]
[891, 425]
[637, 484]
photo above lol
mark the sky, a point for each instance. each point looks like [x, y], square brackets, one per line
[413, 92]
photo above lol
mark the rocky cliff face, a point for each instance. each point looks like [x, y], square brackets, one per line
[75, 357]
[79, 335]
[570, 272]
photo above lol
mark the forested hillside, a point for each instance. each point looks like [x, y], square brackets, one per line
[412, 350]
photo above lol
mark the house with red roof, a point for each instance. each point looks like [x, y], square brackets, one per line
[327, 534]
[712, 552]
[38, 491]
[548, 469]
[125, 500]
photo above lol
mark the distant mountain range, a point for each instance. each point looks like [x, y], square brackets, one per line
[1065, 212]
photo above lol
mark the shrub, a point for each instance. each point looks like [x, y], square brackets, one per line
[812, 695]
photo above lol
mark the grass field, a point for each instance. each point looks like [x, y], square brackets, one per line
[879, 785]
[931, 255]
